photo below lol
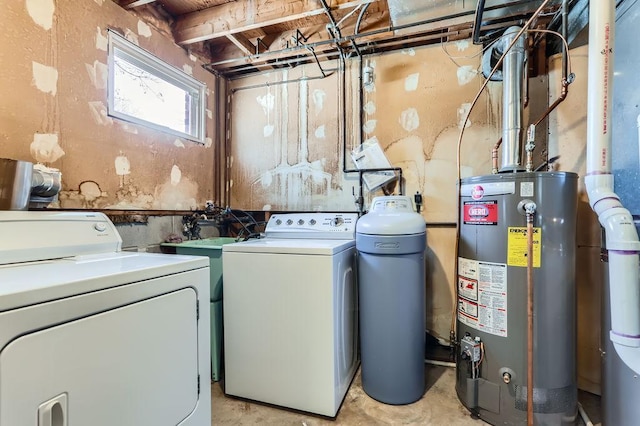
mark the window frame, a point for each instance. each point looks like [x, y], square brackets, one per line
[148, 62]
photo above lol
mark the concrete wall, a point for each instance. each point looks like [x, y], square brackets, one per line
[147, 237]
[53, 109]
[286, 142]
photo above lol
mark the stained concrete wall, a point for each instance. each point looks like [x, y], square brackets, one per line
[53, 82]
[148, 237]
[286, 142]
[286, 139]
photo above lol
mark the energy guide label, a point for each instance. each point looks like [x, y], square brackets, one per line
[482, 296]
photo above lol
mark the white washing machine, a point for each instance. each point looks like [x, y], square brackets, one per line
[94, 336]
[290, 313]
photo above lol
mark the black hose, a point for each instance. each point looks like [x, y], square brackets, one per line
[478, 22]
[360, 16]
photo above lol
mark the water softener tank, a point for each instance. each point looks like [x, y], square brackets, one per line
[391, 241]
[492, 298]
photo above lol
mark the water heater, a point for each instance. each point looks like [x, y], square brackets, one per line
[492, 297]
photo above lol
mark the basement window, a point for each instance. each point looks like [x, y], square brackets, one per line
[144, 90]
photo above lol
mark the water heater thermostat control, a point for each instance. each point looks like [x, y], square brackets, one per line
[470, 349]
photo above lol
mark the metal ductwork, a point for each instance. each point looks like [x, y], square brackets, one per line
[512, 110]
[454, 12]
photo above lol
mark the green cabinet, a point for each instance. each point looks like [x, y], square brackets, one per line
[211, 247]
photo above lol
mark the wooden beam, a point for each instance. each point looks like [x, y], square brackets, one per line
[237, 17]
[130, 4]
[242, 43]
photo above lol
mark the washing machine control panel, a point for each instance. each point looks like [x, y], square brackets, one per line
[312, 225]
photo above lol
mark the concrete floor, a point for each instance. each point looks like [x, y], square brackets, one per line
[439, 406]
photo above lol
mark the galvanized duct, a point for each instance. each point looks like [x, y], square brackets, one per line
[449, 12]
[512, 111]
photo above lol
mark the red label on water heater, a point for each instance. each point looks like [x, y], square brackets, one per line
[481, 212]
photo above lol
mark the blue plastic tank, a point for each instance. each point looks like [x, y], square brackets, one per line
[391, 243]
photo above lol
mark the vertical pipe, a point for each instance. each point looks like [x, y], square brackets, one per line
[599, 89]
[284, 122]
[477, 22]
[621, 235]
[512, 87]
[565, 29]
[529, 319]
[638, 139]
[303, 153]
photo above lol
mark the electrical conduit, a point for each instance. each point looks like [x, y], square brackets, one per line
[621, 234]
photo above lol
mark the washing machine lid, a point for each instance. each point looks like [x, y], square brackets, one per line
[290, 246]
[24, 284]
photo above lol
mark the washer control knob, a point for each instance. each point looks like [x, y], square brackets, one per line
[337, 221]
[289, 222]
[312, 222]
[100, 227]
[301, 222]
[278, 222]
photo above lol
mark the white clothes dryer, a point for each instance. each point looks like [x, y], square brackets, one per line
[94, 336]
[290, 313]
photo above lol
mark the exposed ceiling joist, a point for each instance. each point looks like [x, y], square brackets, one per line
[238, 17]
[242, 43]
[130, 4]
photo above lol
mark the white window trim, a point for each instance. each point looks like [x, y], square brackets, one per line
[150, 63]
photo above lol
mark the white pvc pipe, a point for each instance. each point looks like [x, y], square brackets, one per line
[621, 234]
[583, 414]
[440, 363]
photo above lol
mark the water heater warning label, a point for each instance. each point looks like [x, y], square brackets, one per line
[517, 246]
[482, 295]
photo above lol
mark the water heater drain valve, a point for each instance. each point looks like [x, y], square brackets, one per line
[470, 348]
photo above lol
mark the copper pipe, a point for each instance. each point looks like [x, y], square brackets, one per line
[529, 318]
[563, 95]
[494, 156]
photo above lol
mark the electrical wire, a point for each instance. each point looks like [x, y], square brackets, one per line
[475, 366]
[218, 212]
[244, 227]
[354, 10]
[475, 55]
[459, 147]
[356, 29]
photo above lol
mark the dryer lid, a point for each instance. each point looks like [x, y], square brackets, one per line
[29, 236]
[24, 284]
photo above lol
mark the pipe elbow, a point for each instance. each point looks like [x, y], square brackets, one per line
[600, 192]
[620, 229]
